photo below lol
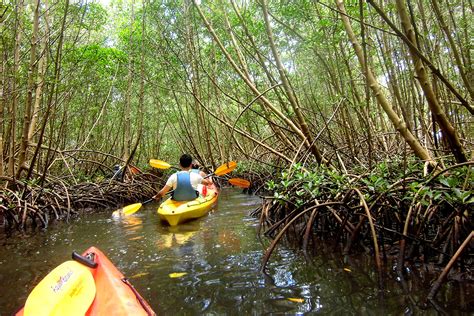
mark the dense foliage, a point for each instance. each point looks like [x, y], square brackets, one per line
[269, 82]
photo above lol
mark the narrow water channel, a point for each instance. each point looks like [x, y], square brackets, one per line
[219, 257]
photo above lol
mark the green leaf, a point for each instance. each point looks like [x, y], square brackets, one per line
[471, 200]
[445, 182]
[458, 193]
[465, 195]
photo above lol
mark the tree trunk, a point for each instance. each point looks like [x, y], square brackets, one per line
[289, 91]
[453, 47]
[249, 83]
[440, 116]
[202, 132]
[22, 155]
[127, 135]
[52, 95]
[414, 50]
[141, 97]
[42, 65]
[3, 82]
[398, 123]
[15, 87]
[262, 62]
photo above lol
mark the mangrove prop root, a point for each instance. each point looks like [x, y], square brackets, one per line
[274, 243]
[410, 221]
[442, 277]
[308, 229]
[29, 204]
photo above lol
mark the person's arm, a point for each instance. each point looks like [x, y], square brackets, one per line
[162, 193]
[170, 184]
[205, 181]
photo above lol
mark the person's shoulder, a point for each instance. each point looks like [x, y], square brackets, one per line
[195, 175]
[172, 177]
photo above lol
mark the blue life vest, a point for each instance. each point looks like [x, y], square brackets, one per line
[184, 190]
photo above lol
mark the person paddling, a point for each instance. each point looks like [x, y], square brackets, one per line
[184, 183]
[196, 168]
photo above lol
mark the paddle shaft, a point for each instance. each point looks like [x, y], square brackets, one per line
[148, 201]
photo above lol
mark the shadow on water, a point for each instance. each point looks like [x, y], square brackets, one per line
[206, 266]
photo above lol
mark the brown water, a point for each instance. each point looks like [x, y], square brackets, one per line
[221, 256]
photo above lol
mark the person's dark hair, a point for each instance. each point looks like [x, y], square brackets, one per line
[185, 160]
[195, 164]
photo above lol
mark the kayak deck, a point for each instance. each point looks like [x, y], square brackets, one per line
[177, 212]
[115, 295]
[111, 292]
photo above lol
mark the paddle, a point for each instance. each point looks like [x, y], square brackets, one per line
[160, 164]
[67, 290]
[221, 170]
[238, 182]
[133, 208]
[130, 209]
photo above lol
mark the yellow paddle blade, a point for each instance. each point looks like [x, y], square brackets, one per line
[225, 168]
[155, 163]
[130, 209]
[296, 300]
[127, 210]
[177, 274]
[240, 182]
[67, 290]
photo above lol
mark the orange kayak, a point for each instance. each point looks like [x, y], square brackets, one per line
[88, 285]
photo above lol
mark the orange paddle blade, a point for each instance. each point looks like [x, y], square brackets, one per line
[242, 183]
[155, 163]
[225, 168]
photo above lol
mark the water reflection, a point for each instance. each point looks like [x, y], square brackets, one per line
[229, 240]
[133, 223]
[176, 236]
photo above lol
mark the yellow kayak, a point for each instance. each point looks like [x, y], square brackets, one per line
[177, 212]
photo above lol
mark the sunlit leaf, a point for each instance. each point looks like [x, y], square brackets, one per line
[177, 274]
[296, 300]
[458, 193]
[469, 201]
[139, 275]
[347, 270]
